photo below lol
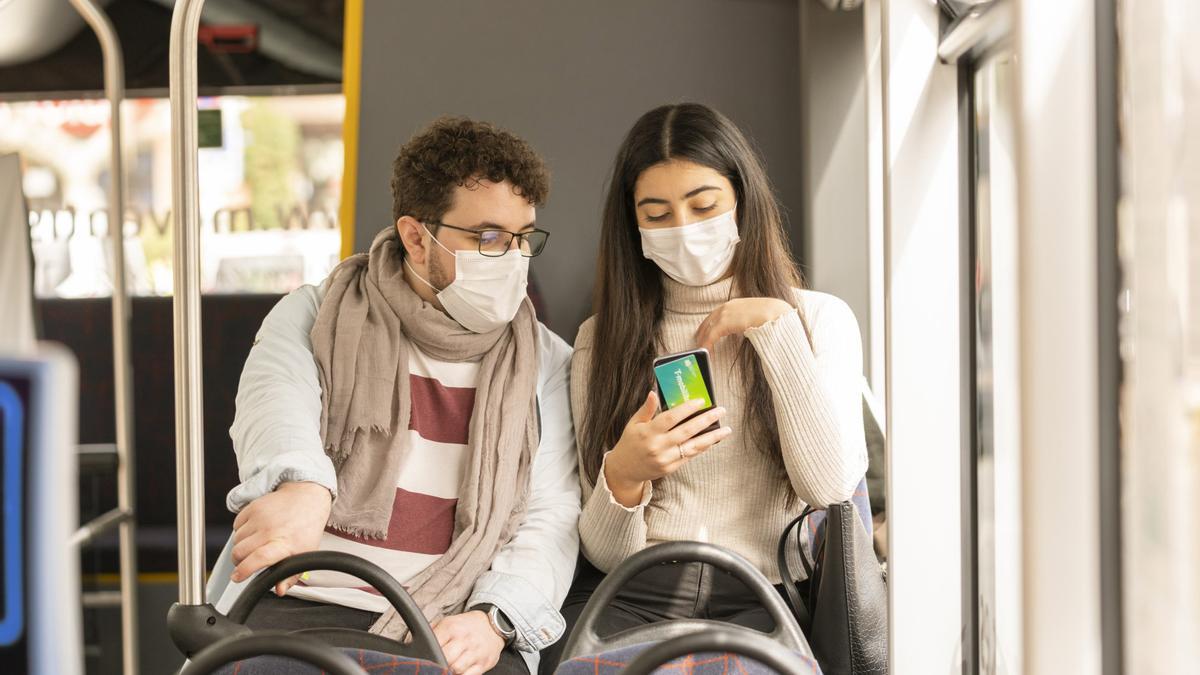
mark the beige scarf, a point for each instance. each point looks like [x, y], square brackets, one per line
[366, 324]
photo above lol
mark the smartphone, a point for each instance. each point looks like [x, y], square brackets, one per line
[682, 377]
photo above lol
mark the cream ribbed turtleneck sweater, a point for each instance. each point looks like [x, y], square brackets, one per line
[733, 495]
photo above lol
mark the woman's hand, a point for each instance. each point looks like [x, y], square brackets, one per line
[652, 446]
[737, 316]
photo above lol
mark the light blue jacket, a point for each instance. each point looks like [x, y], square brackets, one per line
[276, 435]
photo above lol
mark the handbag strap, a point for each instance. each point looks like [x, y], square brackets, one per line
[788, 579]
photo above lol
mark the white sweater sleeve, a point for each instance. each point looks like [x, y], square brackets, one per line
[276, 428]
[818, 397]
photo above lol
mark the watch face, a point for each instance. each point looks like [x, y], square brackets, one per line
[501, 622]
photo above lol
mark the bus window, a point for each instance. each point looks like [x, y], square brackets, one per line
[270, 185]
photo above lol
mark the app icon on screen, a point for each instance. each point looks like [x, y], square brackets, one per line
[681, 381]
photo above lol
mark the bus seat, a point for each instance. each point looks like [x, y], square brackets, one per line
[813, 528]
[614, 662]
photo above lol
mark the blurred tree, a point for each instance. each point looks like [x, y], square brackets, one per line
[271, 155]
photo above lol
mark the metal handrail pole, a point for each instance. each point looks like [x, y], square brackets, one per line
[185, 201]
[984, 27]
[97, 527]
[114, 89]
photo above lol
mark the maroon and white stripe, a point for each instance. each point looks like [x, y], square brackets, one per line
[422, 523]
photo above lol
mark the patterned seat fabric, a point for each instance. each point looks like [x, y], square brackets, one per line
[813, 528]
[612, 663]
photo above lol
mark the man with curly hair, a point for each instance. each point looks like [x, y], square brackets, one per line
[412, 411]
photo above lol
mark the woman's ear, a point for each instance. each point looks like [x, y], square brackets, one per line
[412, 237]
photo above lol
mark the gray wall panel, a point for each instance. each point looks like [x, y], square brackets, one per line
[571, 77]
[834, 139]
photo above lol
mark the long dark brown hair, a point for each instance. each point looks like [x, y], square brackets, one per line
[628, 299]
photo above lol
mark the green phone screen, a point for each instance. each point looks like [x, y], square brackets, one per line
[681, 380]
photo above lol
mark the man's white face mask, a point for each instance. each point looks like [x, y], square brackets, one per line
[486, 292]
[696, 254]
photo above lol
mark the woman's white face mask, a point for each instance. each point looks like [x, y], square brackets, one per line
[696, 254]
[486, 292]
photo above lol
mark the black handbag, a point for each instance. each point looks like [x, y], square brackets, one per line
[846, 594]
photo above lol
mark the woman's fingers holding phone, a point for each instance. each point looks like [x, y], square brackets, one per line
[694, 447]
[690, 428]
[653, 446]
[646, 413]
[670, 419]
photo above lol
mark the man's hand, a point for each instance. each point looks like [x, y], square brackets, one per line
[278, 525]
[471, 646]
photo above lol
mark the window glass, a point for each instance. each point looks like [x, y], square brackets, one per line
[270, 171]
[996, 438]
[1159, 305]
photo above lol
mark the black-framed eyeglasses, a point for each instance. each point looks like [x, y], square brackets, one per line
[495, 242]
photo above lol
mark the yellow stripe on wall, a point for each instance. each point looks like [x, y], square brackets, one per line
[113, 579]
[351, 90]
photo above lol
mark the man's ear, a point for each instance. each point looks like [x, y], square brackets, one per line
[412, 237]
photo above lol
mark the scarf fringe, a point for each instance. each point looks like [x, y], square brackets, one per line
[340, 452]
[357, 531]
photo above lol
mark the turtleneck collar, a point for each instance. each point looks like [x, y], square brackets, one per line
[683, 299]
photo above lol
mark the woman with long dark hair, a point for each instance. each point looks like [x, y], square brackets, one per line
[693, 254]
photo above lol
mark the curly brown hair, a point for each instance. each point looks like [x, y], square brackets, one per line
[456, 151]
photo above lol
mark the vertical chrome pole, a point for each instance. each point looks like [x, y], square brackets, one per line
[114, 89]
[185, 200]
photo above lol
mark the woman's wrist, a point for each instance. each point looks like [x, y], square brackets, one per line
[773, 308]
[627, 492]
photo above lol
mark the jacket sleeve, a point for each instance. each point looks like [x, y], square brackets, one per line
[530, 576]
[276, 428]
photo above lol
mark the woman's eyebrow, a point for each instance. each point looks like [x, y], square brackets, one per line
[693, 193]
[702, 188]
[652, 200]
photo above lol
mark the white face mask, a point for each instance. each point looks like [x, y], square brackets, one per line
[696, 254]
[486, 292]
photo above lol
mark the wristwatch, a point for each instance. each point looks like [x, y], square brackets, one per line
[500, 623]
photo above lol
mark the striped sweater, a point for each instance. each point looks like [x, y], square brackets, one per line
[422, 524]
